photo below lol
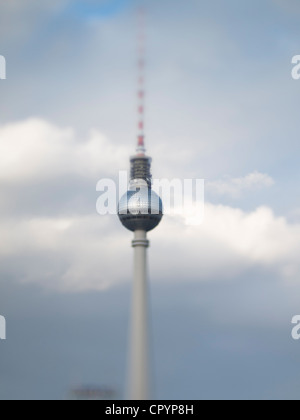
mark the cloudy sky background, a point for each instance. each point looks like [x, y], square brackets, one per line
[222, 106]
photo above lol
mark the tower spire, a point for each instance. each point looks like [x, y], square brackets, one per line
[141, 46]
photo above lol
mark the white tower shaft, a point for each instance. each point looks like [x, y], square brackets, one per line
[139, 365]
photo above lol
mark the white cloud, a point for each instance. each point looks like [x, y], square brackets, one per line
[75, 254]
[86, 251]
[36, 149]
[234, 187]
[93, 252]
[229, 242]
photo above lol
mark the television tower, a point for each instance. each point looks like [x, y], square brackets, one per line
[140, 210]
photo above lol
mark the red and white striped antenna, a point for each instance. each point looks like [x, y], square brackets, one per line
[141, 45]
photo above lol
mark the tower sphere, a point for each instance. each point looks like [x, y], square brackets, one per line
[140, 209]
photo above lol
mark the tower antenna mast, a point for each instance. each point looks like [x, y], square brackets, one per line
[141, 45]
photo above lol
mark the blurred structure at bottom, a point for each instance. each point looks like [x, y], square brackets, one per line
[92, 393]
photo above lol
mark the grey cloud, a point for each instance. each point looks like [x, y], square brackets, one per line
[221, 347]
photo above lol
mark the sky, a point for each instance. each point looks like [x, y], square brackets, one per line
[221, 106]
